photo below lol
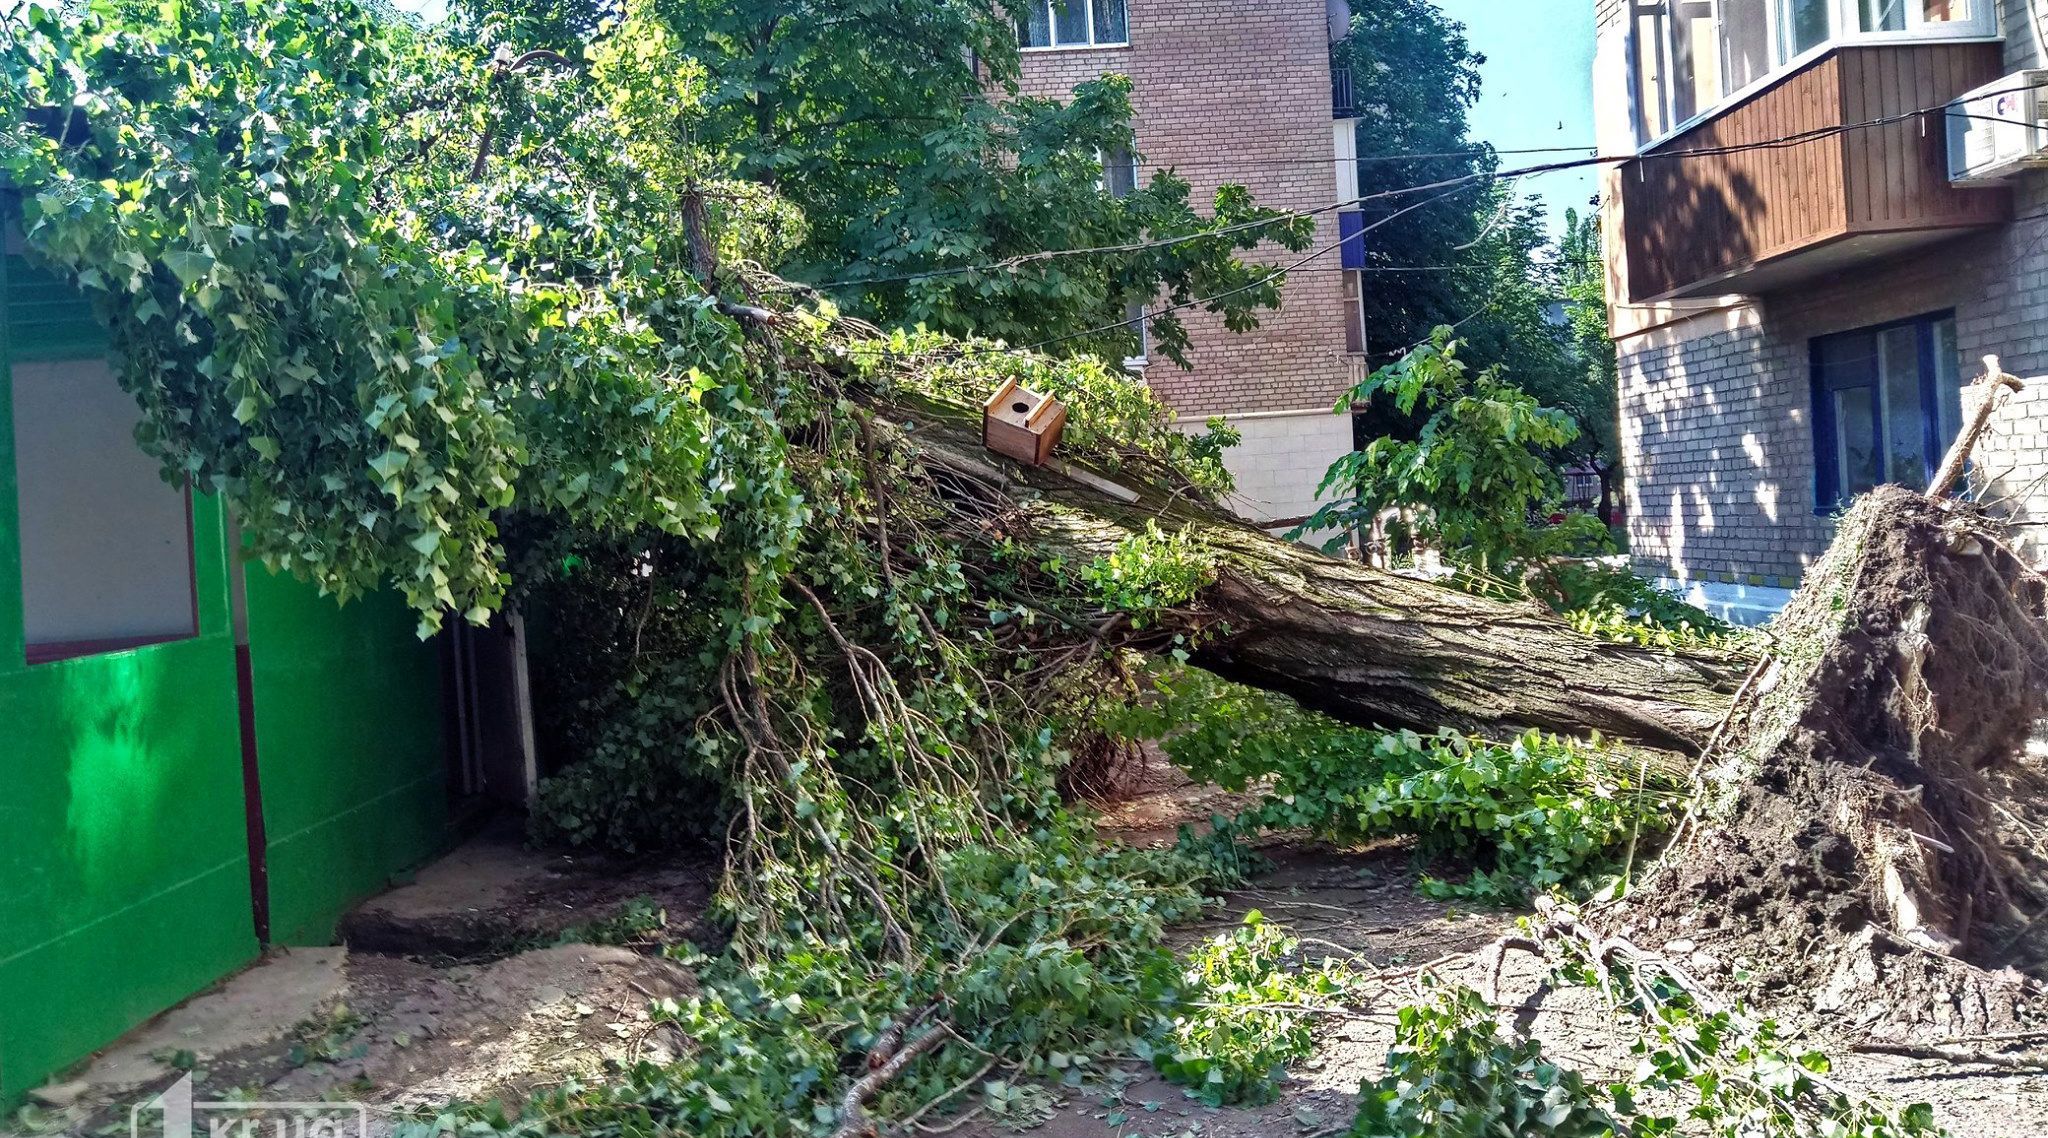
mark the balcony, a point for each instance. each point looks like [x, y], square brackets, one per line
[1342, 104]
[1758, 220]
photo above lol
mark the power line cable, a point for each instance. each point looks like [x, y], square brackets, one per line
[1044, 255]
[1268, 278]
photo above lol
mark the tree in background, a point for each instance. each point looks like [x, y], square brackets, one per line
[1470, 479]
[1594, 401]
[896, 128]
[1477, 259]
[1414, 77]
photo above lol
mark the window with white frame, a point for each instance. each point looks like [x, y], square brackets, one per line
[1137, 320]
[1073, 23]
[1687, 57]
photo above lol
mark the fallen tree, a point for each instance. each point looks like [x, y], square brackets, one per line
[814, 619]
[1364, 645]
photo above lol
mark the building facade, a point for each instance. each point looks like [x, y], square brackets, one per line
[1802, 288]
[1238, 91]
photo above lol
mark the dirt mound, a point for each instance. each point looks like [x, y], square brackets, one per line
[1850, 828]
[495, 895]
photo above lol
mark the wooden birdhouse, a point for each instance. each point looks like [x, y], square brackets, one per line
[1022, 424]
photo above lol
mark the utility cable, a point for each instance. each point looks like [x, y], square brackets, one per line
[1011, 264]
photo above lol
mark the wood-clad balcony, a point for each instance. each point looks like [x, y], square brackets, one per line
[1757, 220]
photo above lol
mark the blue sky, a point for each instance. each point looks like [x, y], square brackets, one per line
[1536, 88]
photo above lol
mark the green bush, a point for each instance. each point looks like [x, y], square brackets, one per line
[1530, 813]
[1242, 1015]
[1454, 1073]
[1148, 572]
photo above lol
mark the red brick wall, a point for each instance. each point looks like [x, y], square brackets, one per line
[1235, 91]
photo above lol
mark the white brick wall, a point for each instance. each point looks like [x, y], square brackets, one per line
[1281, 460]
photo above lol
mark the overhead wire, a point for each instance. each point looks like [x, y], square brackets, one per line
[1040, 256]
[1276, 274]
[1447, 188]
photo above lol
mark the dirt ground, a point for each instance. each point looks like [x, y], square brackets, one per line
[1362, 905]
[403, 1030]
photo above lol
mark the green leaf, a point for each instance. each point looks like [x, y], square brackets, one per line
[188, 265]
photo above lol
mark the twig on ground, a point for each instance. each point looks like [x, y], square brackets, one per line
[920, 1112]
[966, 1117]
[886, 1060]
[2015, 1061]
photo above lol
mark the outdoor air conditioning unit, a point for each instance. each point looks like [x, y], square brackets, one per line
[1998, 130]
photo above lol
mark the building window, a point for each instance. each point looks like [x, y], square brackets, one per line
[1887, 402]
[1073, 23]
[1137, 320]
[106, 546]
[1354, 311]
[1802, 26]
[1687, 57]
[1902, 15]
[1119, 171]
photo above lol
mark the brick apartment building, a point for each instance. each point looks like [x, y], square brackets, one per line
[1238, 91]
[1798, 322]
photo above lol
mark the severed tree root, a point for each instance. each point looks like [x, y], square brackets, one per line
[1850, 832]
[2010, 1060]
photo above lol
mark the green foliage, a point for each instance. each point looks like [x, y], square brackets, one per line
[897, 131]
[1457, 1072]
[1244, 1015]
[1058, 968]
[1616, 604]
[1114, 421]
[1533, 813]
[1472, 476]
[328, 319]
[1591, 399]
[1454, 1072]
[1730, 1067]
[1607, 601]
[1148, 572]
[638, 921]
[329, 1037]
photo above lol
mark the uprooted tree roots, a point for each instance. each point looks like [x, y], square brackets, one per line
[1851, 823]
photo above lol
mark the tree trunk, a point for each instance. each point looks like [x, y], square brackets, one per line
[1361, 644]
[1374, 647]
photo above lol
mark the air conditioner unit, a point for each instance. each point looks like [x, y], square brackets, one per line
[1998, 130]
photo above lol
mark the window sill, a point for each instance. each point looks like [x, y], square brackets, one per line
[60, 650]
[1124, 46]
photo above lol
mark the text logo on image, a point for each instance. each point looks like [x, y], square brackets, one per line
[173, 1114]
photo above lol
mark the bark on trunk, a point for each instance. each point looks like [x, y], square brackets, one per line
[1370, 646]
[1361, 644]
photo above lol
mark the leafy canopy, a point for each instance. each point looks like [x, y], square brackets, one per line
[374, 287]
[1471, 477]
[897, 129]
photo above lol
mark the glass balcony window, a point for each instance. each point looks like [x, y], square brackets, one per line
[1689, 57]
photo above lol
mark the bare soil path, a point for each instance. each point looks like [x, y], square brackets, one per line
[481, 985]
